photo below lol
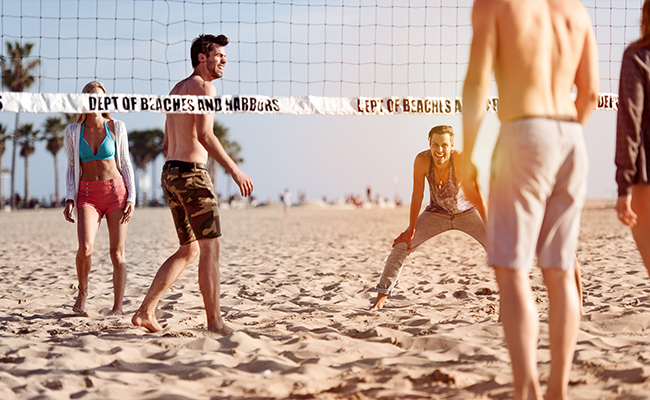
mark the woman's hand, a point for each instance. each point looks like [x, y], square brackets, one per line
[624, 210]
[67, 211]
[128, 213]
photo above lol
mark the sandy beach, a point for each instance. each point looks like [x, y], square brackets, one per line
[297, 291]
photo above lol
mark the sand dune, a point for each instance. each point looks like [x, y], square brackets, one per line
[297, 290]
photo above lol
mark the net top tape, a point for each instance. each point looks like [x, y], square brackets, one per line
[229, 104]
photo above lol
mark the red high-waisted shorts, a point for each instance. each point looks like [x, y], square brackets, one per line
[104, 196]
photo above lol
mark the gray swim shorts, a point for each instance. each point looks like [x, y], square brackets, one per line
[538, 184]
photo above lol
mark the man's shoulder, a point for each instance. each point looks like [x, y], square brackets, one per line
[489, 5]
[423, 158]
[194, 85]
[457, 156]
[424, 154]
[485, 13]
[573, 10]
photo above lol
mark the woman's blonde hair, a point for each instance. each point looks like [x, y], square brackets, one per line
[644, 41]
[90, 86]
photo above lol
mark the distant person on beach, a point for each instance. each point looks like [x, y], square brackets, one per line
[99, 182]
[538, 50]
[633, 139]
[286, 201]
[189, 190]
[450, 208]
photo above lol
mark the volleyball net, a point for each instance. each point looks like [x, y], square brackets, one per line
[339, 57]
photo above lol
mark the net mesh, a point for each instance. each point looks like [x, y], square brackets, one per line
[329, 48]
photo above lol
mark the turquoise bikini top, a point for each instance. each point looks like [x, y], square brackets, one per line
[106, 151]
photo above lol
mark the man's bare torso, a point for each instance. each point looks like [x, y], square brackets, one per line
[181, 138]
[538, 50]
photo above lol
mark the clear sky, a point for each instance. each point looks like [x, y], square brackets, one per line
[350, 48]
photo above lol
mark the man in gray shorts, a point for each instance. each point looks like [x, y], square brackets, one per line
[450, 208]
[189, 191]
[538, 51]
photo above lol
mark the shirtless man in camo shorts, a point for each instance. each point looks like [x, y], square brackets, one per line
[189, 190]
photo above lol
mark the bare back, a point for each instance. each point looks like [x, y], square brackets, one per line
[540, 50]
[181, 137]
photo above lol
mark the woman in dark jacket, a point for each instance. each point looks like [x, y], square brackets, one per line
[633, 139]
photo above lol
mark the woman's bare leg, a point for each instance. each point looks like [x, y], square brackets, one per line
[87, 226]
[117, 237]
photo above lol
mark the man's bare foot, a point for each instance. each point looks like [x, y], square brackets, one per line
[142, 320]
[221, 328]
[116, 312]
[80, 305]
[379, 302]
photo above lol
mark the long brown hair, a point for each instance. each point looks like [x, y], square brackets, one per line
[644, 41]
[90, 86]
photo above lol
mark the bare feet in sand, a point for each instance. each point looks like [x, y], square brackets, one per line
[141, 319]
[116, 312]
[379, 303]
[80, 305]
[221, 328]
[145, 321]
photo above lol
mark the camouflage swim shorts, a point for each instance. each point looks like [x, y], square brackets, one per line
[192, 200]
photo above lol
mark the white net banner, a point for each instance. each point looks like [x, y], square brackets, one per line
[256, 104]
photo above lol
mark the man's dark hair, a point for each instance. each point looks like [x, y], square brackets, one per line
[202, 45]
[442, 130]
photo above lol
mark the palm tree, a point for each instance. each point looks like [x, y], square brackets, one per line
[232, 148]
[145, 146]
[27, 136]
[234, 151]
[17, 76]
[53, 133]
[221, 132]
[3, 146]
